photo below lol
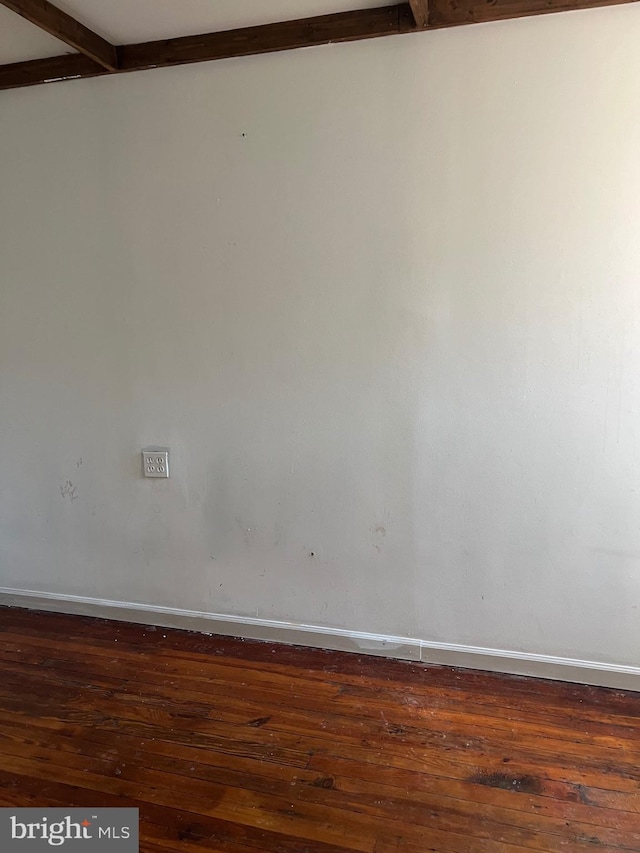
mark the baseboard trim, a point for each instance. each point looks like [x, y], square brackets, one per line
[217, 623]
[597, 673]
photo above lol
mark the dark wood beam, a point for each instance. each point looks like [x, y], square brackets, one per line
[56, 22]
[340, 27]
[268, 38]
[52, 70]
[420, 11]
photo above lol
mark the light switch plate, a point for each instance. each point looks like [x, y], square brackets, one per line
[155, 462]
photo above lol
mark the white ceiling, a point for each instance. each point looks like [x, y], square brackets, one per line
[21, 40]
[127, 21]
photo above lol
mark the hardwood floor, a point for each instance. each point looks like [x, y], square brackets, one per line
[228, 746]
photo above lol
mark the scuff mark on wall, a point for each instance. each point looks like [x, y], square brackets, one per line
[379, 532]
[68, 490]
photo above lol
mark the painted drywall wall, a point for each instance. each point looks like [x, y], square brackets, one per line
[382, 302]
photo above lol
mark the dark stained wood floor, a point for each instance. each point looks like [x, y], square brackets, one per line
[237, 747]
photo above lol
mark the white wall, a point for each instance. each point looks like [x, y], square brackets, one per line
[382, 300]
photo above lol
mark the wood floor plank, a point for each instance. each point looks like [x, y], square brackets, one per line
[245, 758]
[375, 799]
[434, 678]
[354, 777]
[158, 822]
[316, 663]
[447, 719]
[245, 707]
[339, 792]
[584, 707]
[477, 761]
[235, 747]
[470, 727]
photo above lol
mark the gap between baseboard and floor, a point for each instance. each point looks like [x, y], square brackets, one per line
[597, 673]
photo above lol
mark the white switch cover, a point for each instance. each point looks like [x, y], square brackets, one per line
[155, 462]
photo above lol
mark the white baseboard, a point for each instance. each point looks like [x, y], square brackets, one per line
[598, 673]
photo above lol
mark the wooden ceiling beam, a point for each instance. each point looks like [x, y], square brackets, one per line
[268, 38]
[56, 22]
[420, 12]
[56, 68]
